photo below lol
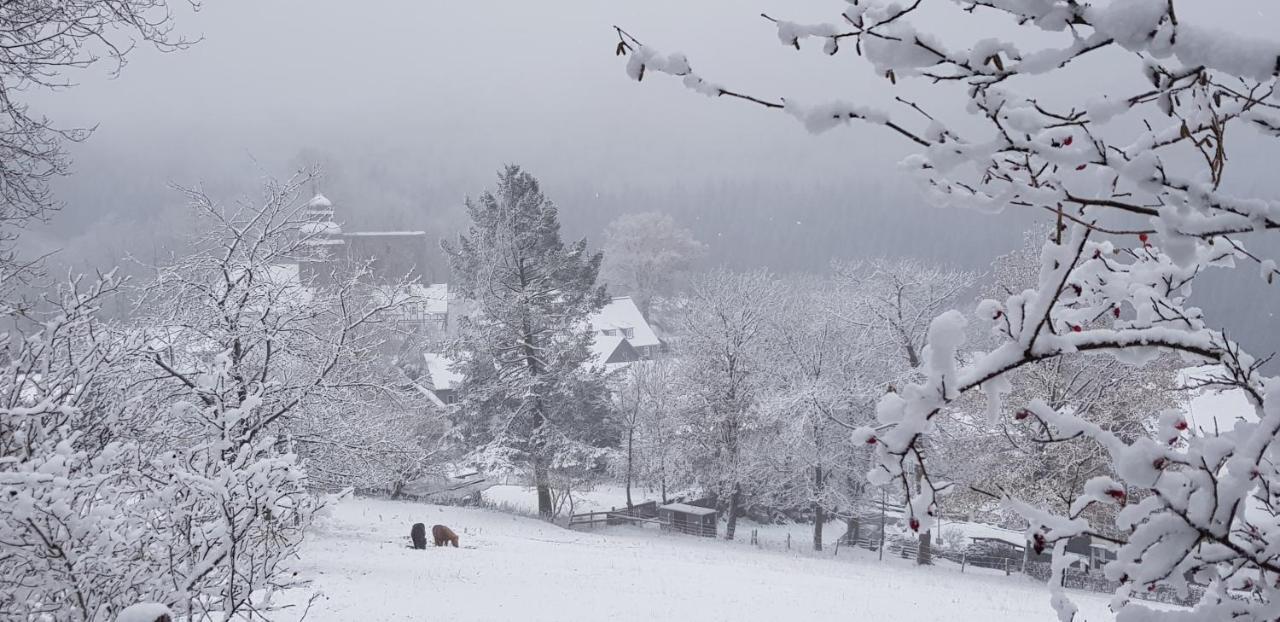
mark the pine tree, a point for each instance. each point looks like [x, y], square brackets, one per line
[528, 390]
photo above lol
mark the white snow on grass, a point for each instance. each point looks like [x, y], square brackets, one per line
[516, 568]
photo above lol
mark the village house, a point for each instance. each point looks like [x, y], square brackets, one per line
[621, 318]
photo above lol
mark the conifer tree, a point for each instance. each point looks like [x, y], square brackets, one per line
[529, 393]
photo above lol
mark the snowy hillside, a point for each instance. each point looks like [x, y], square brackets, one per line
[517, 568]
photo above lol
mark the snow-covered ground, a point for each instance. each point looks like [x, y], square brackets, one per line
[516, 568]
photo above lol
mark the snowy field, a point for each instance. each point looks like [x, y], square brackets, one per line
[516, 568]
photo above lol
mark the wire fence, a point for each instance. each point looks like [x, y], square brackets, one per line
[894, 547]
[968, 561]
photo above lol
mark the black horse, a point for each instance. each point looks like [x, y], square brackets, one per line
[419, 535]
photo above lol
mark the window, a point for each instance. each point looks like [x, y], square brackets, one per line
[629, 333]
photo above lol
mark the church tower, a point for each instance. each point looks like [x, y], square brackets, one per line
[323, 244]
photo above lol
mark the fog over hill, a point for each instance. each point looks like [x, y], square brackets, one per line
[408, 108]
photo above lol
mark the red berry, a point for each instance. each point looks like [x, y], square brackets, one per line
[1097, 252]
[1081, 167]
[998, 315]
[1117, 494]
[1116, 312]
[1038, 543]
[1067, 141]
[871, 440]
[1160, 464]
[915, 524]
[1075, 328]
[1022, 414]
[1142, 237]
[1180, 425]
[1151, 587]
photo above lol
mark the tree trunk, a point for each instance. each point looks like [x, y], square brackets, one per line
[924, 555]
[733, 512]
[631, 435]
[818, 518]
[545, 509]
[851, 531]
[818, 515]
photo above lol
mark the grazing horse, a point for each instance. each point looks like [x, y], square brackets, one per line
[419, 535]
[442, 534]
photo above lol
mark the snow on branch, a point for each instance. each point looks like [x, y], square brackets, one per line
[1134, 184]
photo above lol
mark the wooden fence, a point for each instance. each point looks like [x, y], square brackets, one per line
[639, 514]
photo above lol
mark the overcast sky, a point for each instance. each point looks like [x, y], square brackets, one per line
[465, 86]
[414, 104]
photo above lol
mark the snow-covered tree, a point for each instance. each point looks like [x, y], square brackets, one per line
[656, 430]
[1124, 399]
[529, 397]
[261, 374]
[41, 45]
[630, 401]
[828, 375]
[896, 300]
[1137, 172]
[646, 255]
[644, 403]
[75, 540]
[725, 330]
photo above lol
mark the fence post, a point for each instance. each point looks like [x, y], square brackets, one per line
[964, 558]
[788, 542]
[1006, 566]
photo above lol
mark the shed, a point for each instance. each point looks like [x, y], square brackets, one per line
[689, 519]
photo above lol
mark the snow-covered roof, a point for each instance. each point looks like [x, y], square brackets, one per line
[325, 242]
[323, 227]
[438, 367]
[685, 508]
[987, 532]
[622, 313]
[282, 274]
[320, 201]
[285, 284]
[370, 234]
[435, 296]
[603, 346]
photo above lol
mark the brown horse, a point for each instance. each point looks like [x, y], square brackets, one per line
[442, 534]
